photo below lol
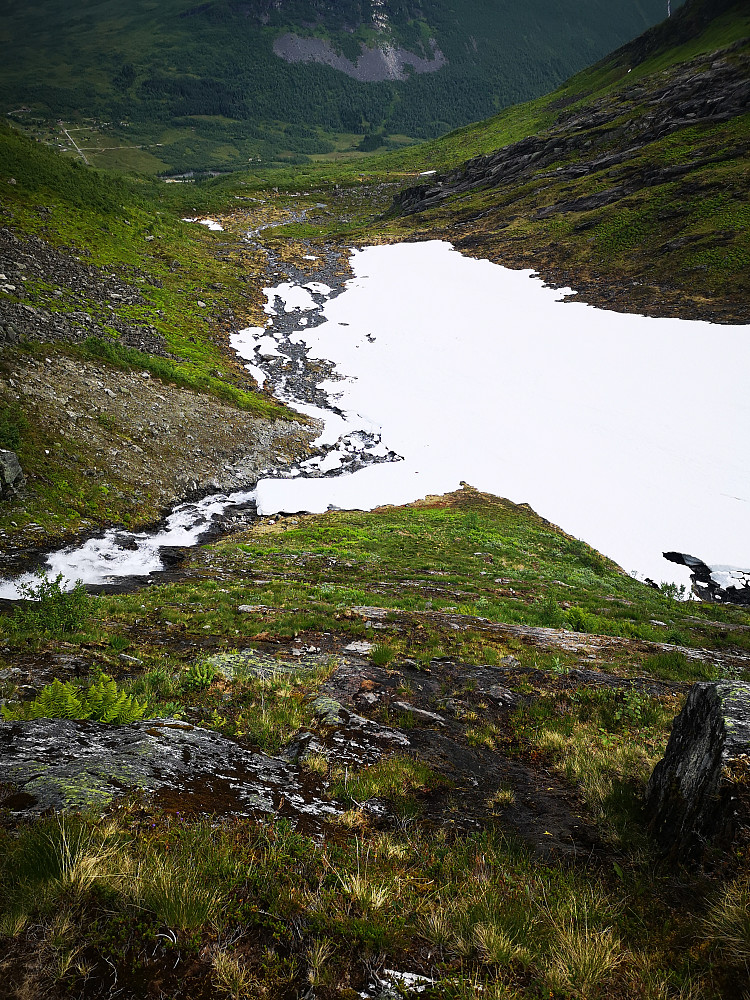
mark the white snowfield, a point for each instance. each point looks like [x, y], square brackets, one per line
[628, 432]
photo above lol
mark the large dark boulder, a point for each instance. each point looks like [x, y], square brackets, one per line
[720, 584]
[699, 794]
[11, 473]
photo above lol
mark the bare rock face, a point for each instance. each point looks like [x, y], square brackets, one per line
[699, 793]
[11, 473]
[63, 765]
[720, 584]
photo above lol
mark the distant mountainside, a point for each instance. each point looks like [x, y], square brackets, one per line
[629, 182]
[178, 85]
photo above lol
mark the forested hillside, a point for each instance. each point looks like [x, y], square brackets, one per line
[181, 86]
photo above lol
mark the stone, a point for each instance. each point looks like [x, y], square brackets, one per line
[360, 648]
[11, 473]
[502, 695]
[64, 765]
[720, 584]
[699, 793]
[419, 713]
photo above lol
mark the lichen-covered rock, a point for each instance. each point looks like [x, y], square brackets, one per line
[58, 764]
[11, 473]
[699, 794]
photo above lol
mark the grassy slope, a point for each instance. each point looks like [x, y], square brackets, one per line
[477, 911]
[130, 228]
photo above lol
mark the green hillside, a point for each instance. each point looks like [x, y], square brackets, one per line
[178, 85]
[629, 182]
[402, 752]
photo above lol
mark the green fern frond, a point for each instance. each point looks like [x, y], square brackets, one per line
[102, 702]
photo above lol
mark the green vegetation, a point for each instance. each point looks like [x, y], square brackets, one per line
[158, 98]
[101, 701]
[444, 853]
[247, 907]
[97, 228]
[256, 908]
[13, 423]
[50, 608]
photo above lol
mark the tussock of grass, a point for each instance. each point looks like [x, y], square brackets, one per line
[727, 923]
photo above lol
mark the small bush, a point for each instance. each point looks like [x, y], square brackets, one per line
[12, 426]
[198, 677]
[102, 702]
[52, 609]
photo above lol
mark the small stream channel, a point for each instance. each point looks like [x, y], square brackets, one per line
[427, 368]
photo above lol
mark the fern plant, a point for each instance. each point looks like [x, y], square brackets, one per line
[103, 701]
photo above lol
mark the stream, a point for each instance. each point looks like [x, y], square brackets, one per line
[428, 368]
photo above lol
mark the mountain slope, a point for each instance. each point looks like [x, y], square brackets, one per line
[633, 189]
[184, 85]
[119, 391]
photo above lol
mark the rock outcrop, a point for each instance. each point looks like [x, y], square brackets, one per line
[61, 765]
[11, 473]
[581, 142]
[699, 793]
[720, 584]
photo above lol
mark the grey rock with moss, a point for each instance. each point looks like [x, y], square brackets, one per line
[11, 473]
[699, 793]
[63, 765]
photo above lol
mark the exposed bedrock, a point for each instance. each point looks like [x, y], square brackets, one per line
[695, 96]
[374, 64]
[699, 793]
[720, 584]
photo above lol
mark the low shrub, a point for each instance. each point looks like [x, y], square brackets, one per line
[51, 608]
[198, 677]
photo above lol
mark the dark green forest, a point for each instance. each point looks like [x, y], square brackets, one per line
[197, 86]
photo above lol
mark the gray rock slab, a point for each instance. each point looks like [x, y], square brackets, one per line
[699, 793]
[62, 765]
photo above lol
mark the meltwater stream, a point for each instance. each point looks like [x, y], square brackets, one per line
[627, 431]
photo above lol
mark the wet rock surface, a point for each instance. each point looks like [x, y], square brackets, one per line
[699, 793]
[58, 764]
[719, 584]
[363, 714]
